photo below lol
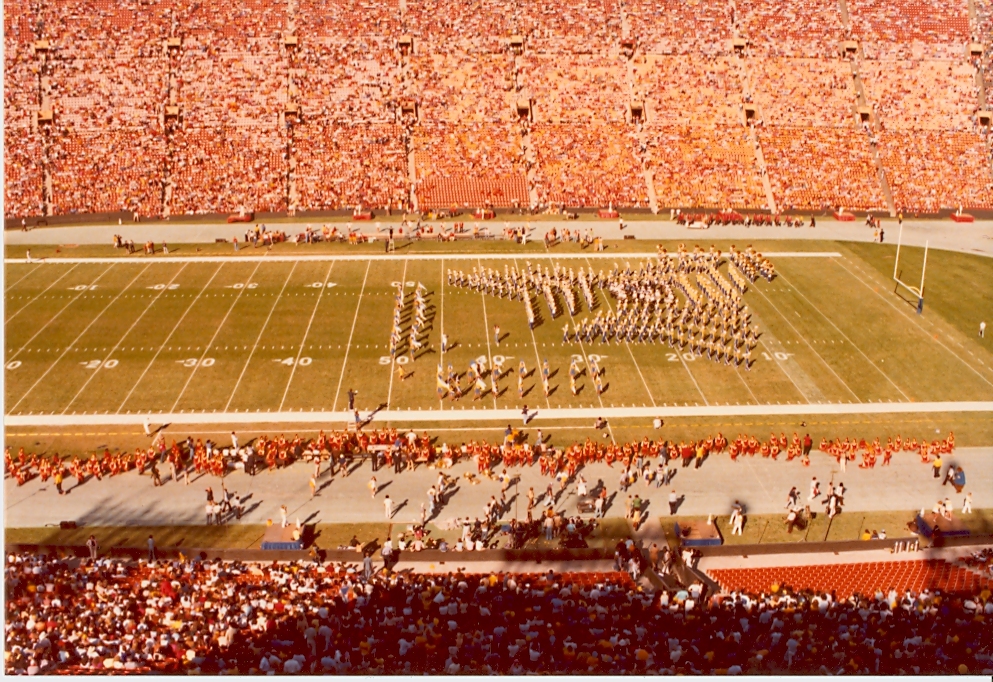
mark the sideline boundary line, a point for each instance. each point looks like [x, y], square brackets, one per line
[383, 257]
[498, 415]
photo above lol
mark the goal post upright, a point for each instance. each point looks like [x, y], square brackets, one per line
[899, 240]
[916, 291]
[923, 269]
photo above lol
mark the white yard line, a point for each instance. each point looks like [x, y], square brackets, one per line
[348, 346]
[28, 274]
[118, 344]
[748, 388]
[21, 309]
[831, 322]
[169, 336]
[441, 314]
[78, 337]
[216, 332]
[912, 319]
[606, 299]
[582, 414]
[255, 345]
[403, 304]
[534, 342]
[310, 322]
[802, 336]
[414, 256]
[53, 318]
[486, 325]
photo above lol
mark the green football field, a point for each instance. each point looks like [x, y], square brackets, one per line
[163, 335]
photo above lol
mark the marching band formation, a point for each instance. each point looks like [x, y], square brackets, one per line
[682, 299]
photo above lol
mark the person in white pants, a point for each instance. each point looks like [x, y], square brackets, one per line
[967, 504]
[388, 505]
[815, 489]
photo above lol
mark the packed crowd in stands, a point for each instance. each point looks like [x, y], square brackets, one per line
[107, 77]
[815, 168]
[348, 18]
[930, 170]
[462, 88]
[338, 450]
[903, 93]
[803, 92]
[903, 29]
[469, 165]
[479, 26]
[108, 169]
[588, 165]
[208, 617]
[583, 89]
[570, 28]
[23, 182]
[347, 79]
[349, 165]
[706, 167]
[230, 168]
[678, 27]
[775, 29]
[688, 90]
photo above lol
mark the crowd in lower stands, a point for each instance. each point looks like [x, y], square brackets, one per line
[207, 616]
[235, 115]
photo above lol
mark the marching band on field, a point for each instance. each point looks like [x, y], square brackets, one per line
[713, 322]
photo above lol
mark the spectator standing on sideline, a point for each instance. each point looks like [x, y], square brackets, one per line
[234, 441]
[92, 545]
[388, 506]
[351, 399]
[673, 502]
[151, 549]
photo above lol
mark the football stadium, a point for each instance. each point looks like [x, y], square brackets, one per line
[493, 337]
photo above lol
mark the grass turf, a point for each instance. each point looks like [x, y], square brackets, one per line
[244, 336]
[771, 528]
[759, 529]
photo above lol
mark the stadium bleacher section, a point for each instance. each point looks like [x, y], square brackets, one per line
[597, 93]
[71, 616]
